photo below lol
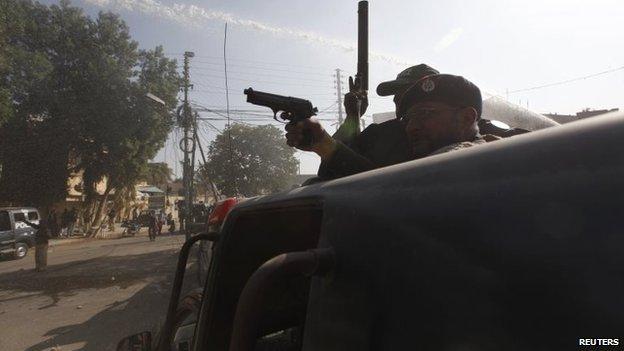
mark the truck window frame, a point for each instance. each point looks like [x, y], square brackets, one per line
[5, 215]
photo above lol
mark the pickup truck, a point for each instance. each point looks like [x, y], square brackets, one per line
[16, 237]
[511, 245]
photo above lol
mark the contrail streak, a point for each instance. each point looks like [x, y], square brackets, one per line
[191, 15]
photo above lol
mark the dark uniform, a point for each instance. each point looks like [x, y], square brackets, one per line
[41, 244]
[388, 146]
[171, 222]
[152, 226]
[378, 145]
[388, 143]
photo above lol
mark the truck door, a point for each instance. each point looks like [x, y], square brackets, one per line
[18, 219]
[27, 233]
[33, 216]
[23, 232]
[7, 236]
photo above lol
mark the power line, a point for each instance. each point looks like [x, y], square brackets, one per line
[237, 107]
[256, 119]
[567, 81]
[312, 74]
[210, 125]
[253, 61]
[263, 112]
[262, 81]
[327, 108]
[210, 92]
[205, 109]
[263, 74]
[256, 113]
[201, 84]
[222, 92]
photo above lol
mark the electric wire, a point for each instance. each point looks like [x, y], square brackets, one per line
[567, 81]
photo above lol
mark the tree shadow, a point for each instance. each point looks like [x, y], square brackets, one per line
[144, 310]
[6, 257]
[96, 273]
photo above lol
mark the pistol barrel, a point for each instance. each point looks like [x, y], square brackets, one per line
[298, 108]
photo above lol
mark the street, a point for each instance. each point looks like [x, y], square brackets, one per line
[93, 294]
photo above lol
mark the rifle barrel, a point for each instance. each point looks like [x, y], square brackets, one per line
[363, 43]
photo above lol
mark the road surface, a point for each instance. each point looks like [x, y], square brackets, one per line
[93, 294]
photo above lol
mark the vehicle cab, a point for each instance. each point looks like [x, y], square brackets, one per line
[512, 245]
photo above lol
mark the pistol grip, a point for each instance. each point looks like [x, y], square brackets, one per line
[307, 139]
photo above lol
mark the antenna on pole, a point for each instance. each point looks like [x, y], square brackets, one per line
[227, 101]
[339, 94]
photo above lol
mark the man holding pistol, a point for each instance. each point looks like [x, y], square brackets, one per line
[438, 113]
[381, 144]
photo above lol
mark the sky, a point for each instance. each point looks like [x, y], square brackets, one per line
[507, 48]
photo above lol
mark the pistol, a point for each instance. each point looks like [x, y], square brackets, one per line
[293, 109]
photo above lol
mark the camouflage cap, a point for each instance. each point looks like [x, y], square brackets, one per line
[405, 79]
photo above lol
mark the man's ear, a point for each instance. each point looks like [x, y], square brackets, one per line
[468, 115]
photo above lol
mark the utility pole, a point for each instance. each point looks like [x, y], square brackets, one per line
[188, 147]
[339, 93]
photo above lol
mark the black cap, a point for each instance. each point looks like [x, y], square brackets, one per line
[405, 79]
[447, 88]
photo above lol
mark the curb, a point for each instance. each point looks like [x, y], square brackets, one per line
[59, 242]
[106, 236]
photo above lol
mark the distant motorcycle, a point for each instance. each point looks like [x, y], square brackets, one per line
[131, 227]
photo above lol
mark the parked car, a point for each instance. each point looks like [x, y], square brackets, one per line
[16, 237]
[511, 245]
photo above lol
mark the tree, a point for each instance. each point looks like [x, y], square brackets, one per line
[33, 145]
[5, 93]
[205, 186]
[158, 174]
[140, 128]
[73, 98]
[256, 161]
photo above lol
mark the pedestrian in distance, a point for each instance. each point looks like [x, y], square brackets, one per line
[71, 221]
[53, 224]
[160, 222]
[64, 222]
[171, 223]
[181, 215]
[42, 237]
[111, 220]
[152, 226]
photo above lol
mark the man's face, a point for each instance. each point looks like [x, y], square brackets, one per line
[397, 97]
[432, 125]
